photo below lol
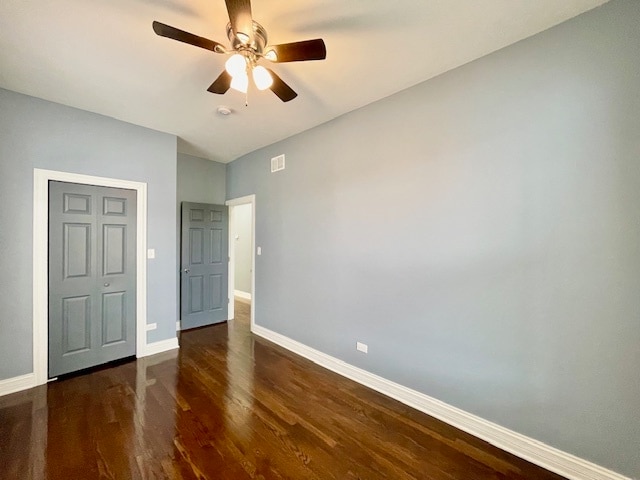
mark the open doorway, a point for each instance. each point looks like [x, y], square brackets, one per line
[242, 253]
[242, 248]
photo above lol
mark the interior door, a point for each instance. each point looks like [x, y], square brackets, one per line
[92, 276]
[205, 264]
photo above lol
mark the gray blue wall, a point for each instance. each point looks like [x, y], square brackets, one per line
[35, 133]
[481, 233]
[200, 181]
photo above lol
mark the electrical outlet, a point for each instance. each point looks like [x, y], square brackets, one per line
[362, 347]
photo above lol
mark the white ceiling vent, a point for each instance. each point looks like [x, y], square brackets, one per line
[277, 163]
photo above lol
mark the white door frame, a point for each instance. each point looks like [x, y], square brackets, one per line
[251, 200]
[41, 260]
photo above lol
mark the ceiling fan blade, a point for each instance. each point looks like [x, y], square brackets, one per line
[298, 51]
[240, 18]
[281, 89]
[186, 37]
[221, 84]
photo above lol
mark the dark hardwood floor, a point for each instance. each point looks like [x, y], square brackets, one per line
[229, 405]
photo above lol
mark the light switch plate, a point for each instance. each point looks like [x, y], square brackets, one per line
[151, 253]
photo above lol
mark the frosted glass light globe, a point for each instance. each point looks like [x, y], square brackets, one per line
[262, 78]
[236, 65]
[240, 82]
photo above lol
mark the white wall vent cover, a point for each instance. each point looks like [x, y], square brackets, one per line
[277, 163]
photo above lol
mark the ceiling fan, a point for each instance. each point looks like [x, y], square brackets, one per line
[248, 46]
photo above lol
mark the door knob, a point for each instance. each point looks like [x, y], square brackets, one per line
[107, 284]
[186, 270]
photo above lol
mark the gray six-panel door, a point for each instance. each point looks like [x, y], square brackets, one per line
[92, 276]
[204, 284]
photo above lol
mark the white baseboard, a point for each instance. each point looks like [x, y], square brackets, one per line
[23, 382]
[161, 346]
[241, 294]
[550, 458]
[178, 326]
[17, 384]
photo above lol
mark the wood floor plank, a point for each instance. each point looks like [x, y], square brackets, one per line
[232, 406]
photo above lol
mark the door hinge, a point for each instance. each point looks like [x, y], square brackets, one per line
[228, 259]
[228, 300]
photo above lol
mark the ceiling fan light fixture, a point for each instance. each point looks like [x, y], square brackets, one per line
[271, 55]
[236, 65]
[248, 45]
[240, 82]
[262, 77]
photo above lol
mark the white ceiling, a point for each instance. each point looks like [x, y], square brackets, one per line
[103, 56]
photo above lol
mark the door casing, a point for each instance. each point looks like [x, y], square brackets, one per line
[41, 260]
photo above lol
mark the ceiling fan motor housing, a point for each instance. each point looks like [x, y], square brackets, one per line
[255, 46]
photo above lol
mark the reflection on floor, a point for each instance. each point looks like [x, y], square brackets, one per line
[229, 405]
